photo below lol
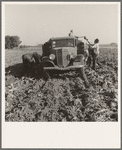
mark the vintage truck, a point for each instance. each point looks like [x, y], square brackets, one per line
[62, 54]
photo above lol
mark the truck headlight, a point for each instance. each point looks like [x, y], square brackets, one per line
[52, 56]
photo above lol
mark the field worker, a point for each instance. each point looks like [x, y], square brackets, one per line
[93, 52]
[71, 33]
[86, 47]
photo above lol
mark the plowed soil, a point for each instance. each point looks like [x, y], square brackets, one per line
[64, 97]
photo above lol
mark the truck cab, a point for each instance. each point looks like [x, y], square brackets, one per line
[63, 53]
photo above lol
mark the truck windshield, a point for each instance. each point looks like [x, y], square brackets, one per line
[63, 43]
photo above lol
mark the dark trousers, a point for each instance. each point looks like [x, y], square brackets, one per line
[94, 61]
[93, 57]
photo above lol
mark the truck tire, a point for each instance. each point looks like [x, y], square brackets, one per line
[46, 75]
[83, 76]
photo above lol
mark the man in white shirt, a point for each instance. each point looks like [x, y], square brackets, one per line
[96, 46]
[94, 52]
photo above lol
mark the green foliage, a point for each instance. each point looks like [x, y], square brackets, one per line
[12, 41]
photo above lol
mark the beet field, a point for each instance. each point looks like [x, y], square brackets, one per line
[63, 97]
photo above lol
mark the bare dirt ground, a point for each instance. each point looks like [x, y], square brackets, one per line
[63, 97]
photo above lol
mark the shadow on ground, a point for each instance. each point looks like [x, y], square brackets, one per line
[18, 71]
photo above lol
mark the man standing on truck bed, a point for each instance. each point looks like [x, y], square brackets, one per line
[71, 33]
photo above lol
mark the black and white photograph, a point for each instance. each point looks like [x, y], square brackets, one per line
[61, 65]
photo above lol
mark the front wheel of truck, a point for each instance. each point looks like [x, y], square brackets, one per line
[83, 76]
[46, 75]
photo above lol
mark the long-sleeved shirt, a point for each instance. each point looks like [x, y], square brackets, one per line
[96, 48]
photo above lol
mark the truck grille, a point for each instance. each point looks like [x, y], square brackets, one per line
[62, 59]
[59, 57]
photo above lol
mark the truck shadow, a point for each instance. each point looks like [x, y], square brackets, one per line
[15, 70]
[18, 71]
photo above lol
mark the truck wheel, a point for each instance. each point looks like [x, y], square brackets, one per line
[39, 70]
[46, 75]
[83, 76]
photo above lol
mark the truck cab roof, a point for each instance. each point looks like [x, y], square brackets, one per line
[60, 38]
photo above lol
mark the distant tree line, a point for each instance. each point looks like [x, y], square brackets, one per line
[30, 46]
[12, 41]
[113, 44]
[24, 46]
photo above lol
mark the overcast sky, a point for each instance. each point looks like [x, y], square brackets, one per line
[36, 23]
